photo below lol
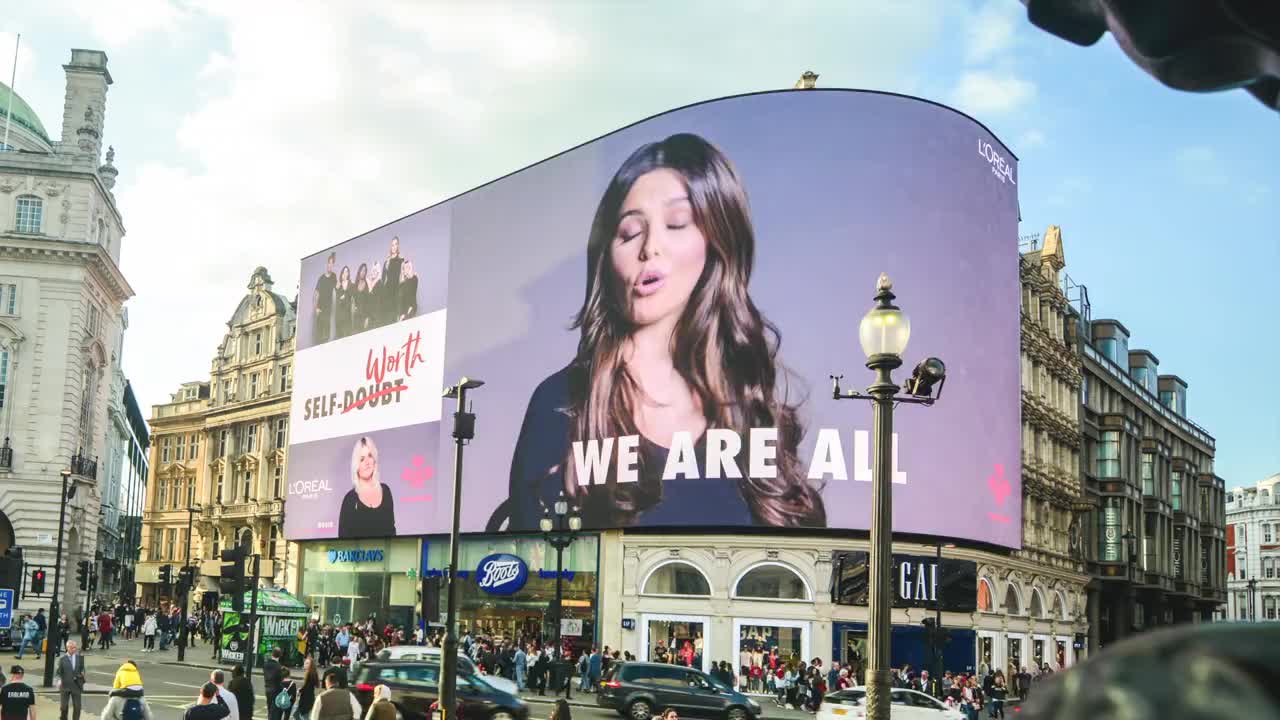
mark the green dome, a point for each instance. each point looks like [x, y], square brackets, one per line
[22, 113]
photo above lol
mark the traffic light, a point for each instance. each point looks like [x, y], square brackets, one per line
[82, 574]
[187, 578]
[166, 575]
[37, 581]
[231, 580]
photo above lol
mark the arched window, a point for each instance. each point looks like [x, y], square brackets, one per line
[1037, 604]
[1060, 606]
[1012, 604]
[244, 538]
[771, 581]
[30, 214]
[676, 578]
[986, 600]
[7, 537]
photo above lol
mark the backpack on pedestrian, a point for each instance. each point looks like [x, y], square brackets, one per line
[132, 709]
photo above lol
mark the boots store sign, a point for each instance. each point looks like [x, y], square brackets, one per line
[920, 581]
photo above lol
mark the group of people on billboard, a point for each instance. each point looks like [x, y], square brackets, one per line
[381, 293]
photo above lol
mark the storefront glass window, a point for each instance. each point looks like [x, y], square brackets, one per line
[985, 653]
[529, 614]
[758, 643]
[1015, 657]
[772, 582]
[1060, 654]
[342, 586]
[1037, 653]
[679, 642]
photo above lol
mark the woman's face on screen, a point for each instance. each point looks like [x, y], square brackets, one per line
[368, 463]
[658, 252]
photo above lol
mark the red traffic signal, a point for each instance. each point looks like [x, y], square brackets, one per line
[37, 582]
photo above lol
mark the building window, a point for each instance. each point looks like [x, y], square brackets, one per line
[1175, 490]
[1266, 532]
[157, 540]
[250, 437]
[676, 578]
[985, 595]
[253, 386]
[166, 449]
[247, 486]
[180, 448]
[222, 442]
[162, 494]
[1109, 454]
[277, 482]
[771, 581]
[284, 378]
[170, 539]
[1148, 471]
[195, 445]
[257, 343]
[217, 543]
[273, 539]
[282, 432]
[226, 391]
[8, 299]
[29, 215]
[217, 488]
[1269, 567]
[4, 377]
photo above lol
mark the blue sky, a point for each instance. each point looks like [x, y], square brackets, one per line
[255, 133]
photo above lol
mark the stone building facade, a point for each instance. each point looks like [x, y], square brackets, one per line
[62, 298]
[1253, 552]
[219, 451]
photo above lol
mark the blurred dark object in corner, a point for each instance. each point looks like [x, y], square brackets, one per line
[1205, 672]
[1195, 45]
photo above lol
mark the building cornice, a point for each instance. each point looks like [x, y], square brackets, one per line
[40, 248]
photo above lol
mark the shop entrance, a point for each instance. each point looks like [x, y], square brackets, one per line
[676, 639]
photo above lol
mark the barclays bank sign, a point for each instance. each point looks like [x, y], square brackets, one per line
[502, 574]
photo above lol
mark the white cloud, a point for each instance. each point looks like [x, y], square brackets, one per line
[982, 92]
[1200, 165]
[990, 30]
[317, 122]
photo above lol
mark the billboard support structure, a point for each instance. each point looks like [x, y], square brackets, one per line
[883, 333]
[464, 429]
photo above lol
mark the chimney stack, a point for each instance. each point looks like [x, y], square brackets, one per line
[87, 82]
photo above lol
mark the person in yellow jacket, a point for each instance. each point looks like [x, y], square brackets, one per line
[127, 676]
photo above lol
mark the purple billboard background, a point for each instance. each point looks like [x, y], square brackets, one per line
[842, 185]
[407, 464]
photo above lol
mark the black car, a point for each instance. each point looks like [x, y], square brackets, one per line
[639, 690]
[416, 685]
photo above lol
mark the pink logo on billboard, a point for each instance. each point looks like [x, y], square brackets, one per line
[1000, 489]
[417, 475]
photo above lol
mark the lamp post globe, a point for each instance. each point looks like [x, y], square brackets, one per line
[885, 329]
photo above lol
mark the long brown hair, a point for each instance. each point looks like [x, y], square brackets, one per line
[722, 347]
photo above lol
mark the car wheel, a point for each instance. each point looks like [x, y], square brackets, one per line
[736, 713]
[501, 715]
[640, 710]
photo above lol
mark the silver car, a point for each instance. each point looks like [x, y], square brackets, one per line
[432, 654]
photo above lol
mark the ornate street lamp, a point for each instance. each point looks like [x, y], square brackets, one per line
[883, 334]
[560, 530]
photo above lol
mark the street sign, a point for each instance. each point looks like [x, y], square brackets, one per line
[571, 627]
[6, 609]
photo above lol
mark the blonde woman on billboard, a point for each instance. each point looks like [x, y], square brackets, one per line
[670, 341]
[368, 509]
[392, 271]
[408, 292]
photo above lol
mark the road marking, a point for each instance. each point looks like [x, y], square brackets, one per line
[102, 672]
[181, 685]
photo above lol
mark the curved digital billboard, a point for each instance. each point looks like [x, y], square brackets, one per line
[656, 313]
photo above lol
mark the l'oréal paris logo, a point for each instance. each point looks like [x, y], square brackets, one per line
[502, 574]
[1000, 167]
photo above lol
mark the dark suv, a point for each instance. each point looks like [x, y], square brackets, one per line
[639, 690]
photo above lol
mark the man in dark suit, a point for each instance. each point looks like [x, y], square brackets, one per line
[70, 676]
[272, 681]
